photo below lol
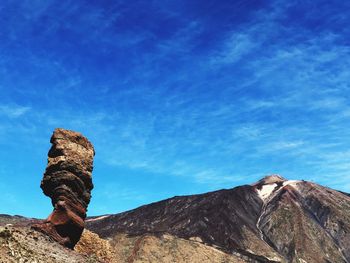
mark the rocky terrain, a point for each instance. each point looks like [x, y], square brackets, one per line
[23, 244]
[273, 220]
[17, 220]
[68, 182]
[163, 248]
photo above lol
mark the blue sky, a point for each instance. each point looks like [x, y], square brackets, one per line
[178, 97]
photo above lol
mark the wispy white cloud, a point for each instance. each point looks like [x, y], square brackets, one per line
[215, 179]
[113, 191]
[13, 111]
[286, 145]
[234, 49]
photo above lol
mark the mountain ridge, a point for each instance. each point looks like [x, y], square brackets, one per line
[271, 220]
[239, 220]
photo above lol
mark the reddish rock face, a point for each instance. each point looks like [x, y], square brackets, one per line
[68, 182]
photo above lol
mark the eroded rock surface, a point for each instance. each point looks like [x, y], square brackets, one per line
[162, 248]
[22, 244]
[68, 182]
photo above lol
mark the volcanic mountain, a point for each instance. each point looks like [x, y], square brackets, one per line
[273, 220]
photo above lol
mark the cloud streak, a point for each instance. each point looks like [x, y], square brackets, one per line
[13, 111]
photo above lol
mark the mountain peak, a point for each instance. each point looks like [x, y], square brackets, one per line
[269, 185]
[271, 179]
[272, 220]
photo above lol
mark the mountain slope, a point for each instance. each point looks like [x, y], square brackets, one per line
[309, 222]
[273, 220]
[163, 248]
[223, 218]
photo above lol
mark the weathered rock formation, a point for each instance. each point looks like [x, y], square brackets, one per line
[68, 182]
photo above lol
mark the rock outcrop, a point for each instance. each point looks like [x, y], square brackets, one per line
[68, 182]
[19, 244]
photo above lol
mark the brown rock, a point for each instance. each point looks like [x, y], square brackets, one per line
[163, 248]
[92, 245]
[68, 182]
[22, 244]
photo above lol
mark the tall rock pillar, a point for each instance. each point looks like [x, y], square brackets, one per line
[68, 182]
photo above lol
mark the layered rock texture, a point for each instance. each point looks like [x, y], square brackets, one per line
[68, 182]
